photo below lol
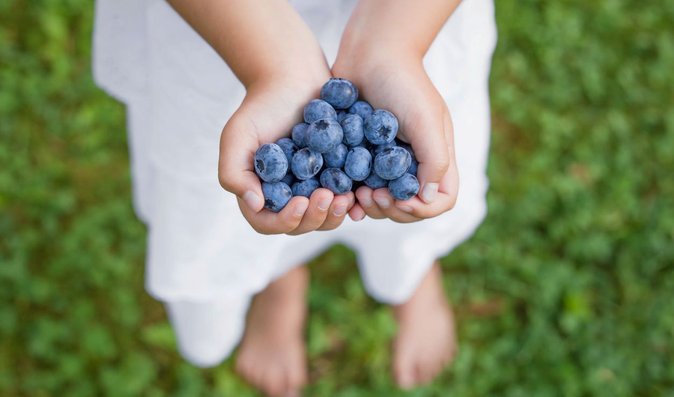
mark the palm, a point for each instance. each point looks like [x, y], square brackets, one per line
[424, 123]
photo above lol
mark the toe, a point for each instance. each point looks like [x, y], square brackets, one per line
[274, 382]
[296, 379]
[403, 372]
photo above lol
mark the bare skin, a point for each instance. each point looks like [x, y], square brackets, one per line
[272, 354]
[426, 339]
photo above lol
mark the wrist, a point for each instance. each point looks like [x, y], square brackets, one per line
[362, 61]
[303, 64]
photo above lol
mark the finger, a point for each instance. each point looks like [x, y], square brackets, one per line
[446, 198]
[366, 201]
[340, 205]
[319, 204]
[238, 143]
[357, 213]
[385, 202]
[268, 222]
[430, 145]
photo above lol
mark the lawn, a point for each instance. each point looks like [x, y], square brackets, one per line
[567, 288]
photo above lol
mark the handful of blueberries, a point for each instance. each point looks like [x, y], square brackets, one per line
[343, 144]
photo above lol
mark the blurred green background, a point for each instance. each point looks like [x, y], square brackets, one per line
[567, 289]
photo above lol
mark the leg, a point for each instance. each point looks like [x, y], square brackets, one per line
[426, 339]
[272, 356]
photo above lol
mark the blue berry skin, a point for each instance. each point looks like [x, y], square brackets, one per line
[352, 125]
[340, 115]
[288, 146]
[318, 109]
[392, 163]
[415, 164]
[374, 181]
[340, 93]
[414, 167]
[335, 180]
[337, 157]
[270, 163]
[361, 108]
[404, 188]
[365, 144]
[380, 148]
[276, 195]
[381, 127]
[324, 135]
[299, 134]
[358, 163]
[306, 163]
[289, 179]
[305, 188]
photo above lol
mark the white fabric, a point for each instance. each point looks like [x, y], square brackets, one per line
[207, 332]
[179, 94]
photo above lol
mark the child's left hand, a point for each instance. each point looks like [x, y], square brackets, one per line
[399, 83]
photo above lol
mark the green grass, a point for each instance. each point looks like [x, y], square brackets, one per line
[567, 289]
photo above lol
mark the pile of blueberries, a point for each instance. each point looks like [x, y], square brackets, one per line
[343, 144]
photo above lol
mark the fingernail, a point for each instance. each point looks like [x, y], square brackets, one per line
[360, 218]
[405, 208]
[324, 204]
[301, 208]
[383, 202]
[429, 192]
[366, 202]
[252, 200]
[339, 211]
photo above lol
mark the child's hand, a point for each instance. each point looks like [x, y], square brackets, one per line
[268, 112]
[400, 84]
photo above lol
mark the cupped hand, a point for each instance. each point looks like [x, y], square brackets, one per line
[399, 83]
[268, 112]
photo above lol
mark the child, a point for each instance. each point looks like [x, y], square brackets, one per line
[205, 261]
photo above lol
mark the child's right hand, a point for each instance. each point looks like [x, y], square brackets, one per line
[270, 109]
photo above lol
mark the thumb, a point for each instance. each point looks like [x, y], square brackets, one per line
[238, 143]
[429, 142]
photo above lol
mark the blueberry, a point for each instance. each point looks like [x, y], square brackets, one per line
[317, 109]
[288, 147]
[336, 158]
[299, 134]
[365, 144]
[358, 163]
[392, 162]
[289, 179]
[404, 188]
[335, 180]
[361, 108]
[339, 93]
[380, 148]
[352, 125]
[340, 115]
[271, 163]
[305, 188]
[324, 135]
[415, 164]
[381, 127]
[306, 163]
[413, 168]
[276, 195]
[374, 181]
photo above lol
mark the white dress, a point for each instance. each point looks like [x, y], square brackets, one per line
[204, 260]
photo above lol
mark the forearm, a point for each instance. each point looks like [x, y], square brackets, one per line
[395, 26]
[258, 39]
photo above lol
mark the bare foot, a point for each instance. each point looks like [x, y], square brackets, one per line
[426, 339]
[271, 356]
